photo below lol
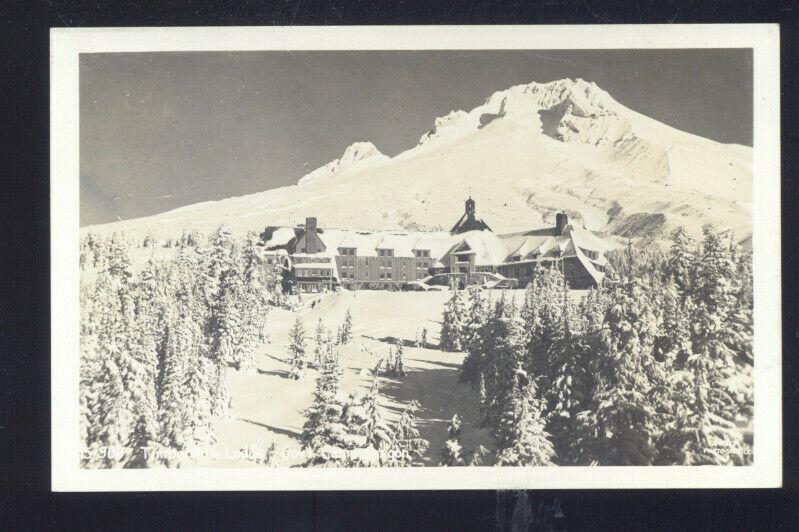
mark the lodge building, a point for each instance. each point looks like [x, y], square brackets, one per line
[313, 258]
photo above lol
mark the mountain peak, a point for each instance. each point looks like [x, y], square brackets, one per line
[523, 102]
[357, 154]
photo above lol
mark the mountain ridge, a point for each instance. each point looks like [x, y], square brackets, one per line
[526, 152]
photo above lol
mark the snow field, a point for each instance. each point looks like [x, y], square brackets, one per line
[267, 405]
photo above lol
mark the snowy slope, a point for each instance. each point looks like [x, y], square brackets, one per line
[527, 152]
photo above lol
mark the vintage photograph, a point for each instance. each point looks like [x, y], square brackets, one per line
[380, 259]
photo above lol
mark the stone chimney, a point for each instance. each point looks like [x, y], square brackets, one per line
[561, 221]
[311, 239]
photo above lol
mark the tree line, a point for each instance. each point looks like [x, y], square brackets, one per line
[155, 345]
[653, 367]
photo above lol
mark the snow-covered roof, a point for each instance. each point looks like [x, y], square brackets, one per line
[401, 243]
[487, 247]
[281, 236]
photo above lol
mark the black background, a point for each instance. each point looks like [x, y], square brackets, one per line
[26, 502]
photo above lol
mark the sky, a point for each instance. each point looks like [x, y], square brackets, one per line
[163, 130]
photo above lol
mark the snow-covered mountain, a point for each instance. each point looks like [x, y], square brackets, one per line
[526, 153]
[358, 156]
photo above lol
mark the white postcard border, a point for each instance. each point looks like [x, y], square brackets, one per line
[67, 43]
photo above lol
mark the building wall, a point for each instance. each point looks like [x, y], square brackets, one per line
[577, 277]
[369, 269]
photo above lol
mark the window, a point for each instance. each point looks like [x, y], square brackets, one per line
[388, 275]
[382, 275]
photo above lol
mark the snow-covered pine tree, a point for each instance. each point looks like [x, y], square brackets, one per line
[142, 443]
[479, 456]
[232, 341]
[378, 433]
[542, 314]
[452, 451]
[297, 349]
[477, 311]
[572, 385]
[354, 438]
[139, 369]
[183, 345]
[111, 427]
[323, 428]
[406, 445]
[683, 260]
[345, 333]
[256, 299]
[201, 401]
[527, 442]
[319, 344]
[620, 426]
[117, 257]
[482, 398]
[503, 361]
[451, 322]
[398, 367]
[704, 431]
[216, 259]
[741, 318]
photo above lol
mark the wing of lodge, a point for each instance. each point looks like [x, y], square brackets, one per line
[313, 258]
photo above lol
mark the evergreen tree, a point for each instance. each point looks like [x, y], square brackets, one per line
[183, 347]
[477, 311]
[452, 452]
[528, 443]
[142, 443]
[407, 445]
[503, 361]
[110, 431]
[682, 265]
[323, 429]
[345, 333]
[451, 323]
[542, 314]
[297, 349]
[398, 367]
[705, 420]
[378, 433]
[621, 424]
[200, 402]
[572, 385]
[319, 344]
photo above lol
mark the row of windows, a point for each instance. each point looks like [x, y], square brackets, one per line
[307, 260]
[350, 252]
[313, 272]
[422, 253]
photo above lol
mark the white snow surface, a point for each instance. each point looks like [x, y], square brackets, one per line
[529, 151]
[358, 155]
[266, 405]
